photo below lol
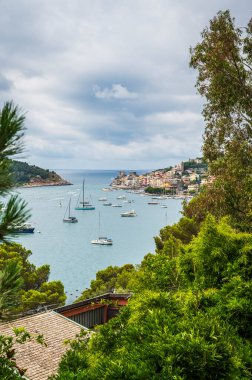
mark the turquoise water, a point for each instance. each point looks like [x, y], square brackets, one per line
[67, 248]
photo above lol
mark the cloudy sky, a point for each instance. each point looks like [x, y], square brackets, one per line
[106, 84]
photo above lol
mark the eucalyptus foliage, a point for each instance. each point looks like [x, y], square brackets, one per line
[223, 60]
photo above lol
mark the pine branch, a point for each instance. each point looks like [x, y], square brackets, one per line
[10, 285]
[11, 130]
[14, 216]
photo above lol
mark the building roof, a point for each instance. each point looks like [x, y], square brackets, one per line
[41, 361]
[104, 296]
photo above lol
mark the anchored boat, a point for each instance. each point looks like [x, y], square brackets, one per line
[102, 240]
[69, 218]
[129, 213]
[82, 205]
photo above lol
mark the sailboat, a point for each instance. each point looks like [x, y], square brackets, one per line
[163, 205]
[129, 213]
[102, 240]
[82, 205]
[67, 217]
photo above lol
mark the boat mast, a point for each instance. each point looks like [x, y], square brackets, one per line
[99, 225]
[83, 193]
[69, 208]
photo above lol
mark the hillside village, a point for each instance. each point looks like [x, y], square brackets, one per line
[184, 178]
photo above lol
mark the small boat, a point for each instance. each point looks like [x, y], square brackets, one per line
[152, 203]
[69, 218]
[116, 205]
[83, 205]
[26, 228]
[102, 240]
[107, 204]
[129, 213]
[163, 206]
[103, 199]
[121, 197]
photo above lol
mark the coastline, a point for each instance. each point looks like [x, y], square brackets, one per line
[44, 183]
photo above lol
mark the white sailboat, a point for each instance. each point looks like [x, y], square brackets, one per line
[67, 217]
[129, 213]
[102, 240]
[153, 203]
[82, 205]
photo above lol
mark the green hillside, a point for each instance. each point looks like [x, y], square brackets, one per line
[24, 173]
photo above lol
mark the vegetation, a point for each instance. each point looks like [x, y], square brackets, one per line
[15, 212]
[109, 279]
[10, 286]
[194, 165]
[224, 62]
[35, 291]
[158, 190]
[190, 316]
[163, 170]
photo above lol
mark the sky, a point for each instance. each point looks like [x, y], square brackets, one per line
[106, 84]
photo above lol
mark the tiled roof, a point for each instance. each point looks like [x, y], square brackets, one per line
[41, 361]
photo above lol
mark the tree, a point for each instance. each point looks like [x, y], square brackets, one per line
[198, 329]
[33, 277]
[10, 285]
[119, 278]
[35, 291]
[224, 62]
[49, 294]
[15, 212]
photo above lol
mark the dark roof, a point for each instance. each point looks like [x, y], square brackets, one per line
[108, 296]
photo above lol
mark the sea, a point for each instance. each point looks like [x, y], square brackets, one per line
[67, 247]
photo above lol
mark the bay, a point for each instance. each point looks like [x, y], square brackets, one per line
[67, 247]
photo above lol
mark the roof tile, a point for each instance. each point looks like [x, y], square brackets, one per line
[41, 361]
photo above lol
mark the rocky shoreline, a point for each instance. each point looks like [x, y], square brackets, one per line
[46, 183]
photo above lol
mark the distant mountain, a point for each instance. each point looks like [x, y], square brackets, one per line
[31, 175]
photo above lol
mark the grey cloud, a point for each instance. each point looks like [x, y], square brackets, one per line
[117, 91]
[5, 84]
